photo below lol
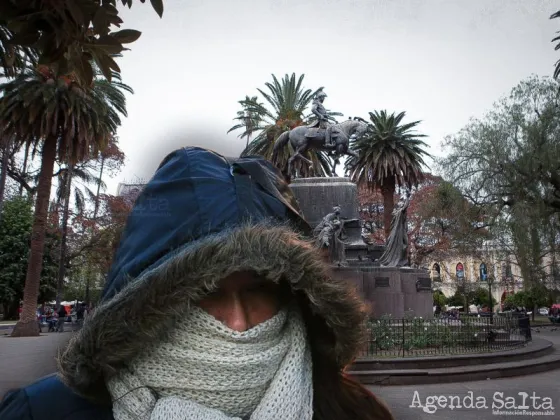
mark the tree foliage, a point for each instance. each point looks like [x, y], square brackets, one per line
[390, 155]
[281, 107]
[512, 153]
[69, 35]
[38, 103]
[442, 223]
[480, 296]
[508, 164]
[370, 206]
[531, 298]
[70, 123]
[439, 298]
[13, 57]
[15, 237]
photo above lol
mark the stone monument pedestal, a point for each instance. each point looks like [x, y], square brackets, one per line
[388, 290]
[391, 290]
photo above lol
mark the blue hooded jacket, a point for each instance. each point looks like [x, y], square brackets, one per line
[199, 219]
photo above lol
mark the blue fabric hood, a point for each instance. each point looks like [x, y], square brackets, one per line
[194, 193]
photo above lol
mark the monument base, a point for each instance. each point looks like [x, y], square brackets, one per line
[388, 290]
[391, 290]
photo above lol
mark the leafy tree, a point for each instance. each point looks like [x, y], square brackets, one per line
[530, 299]
[15, 227]
[67, 35]
[65, 120]
[371, 211]
[511, 154]
[92, 242]
[15, 236]
[439, 298]
[515, 300]
[390, 154]
[286, 101]
[109, 161]
[507, 163]
[442, 223]
[480, 296]
[458, 299]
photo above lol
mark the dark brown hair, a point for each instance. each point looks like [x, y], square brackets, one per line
[336, 396]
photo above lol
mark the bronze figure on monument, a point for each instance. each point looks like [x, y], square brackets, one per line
[330, 234]
[396, 252]
[320, 135]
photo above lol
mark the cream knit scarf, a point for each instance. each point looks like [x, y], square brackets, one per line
[206, 371]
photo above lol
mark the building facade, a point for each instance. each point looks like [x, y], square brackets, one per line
[468, 273]
[129, 190]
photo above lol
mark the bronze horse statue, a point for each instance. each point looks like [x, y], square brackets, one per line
[303, 138]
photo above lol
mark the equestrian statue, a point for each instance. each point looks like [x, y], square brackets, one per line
[320, 135]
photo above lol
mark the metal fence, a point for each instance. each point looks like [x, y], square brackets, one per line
[431, 337]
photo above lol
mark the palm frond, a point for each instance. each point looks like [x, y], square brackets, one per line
[284, 103]
[389, 151]
[37, 103]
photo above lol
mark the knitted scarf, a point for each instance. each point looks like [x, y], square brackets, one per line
[207, 371]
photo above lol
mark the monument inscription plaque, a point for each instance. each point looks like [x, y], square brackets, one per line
[382, 282]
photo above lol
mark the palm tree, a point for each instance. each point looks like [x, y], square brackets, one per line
[287, 100]
[248, 121]
[14, 57]
[390, 154]
[69, 121]
[66, 177]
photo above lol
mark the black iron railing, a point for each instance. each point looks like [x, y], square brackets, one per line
[443, 336]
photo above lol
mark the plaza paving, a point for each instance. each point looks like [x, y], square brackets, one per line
[23, 360]
[546, 384]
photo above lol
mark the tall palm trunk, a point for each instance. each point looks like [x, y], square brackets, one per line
[27, 325]
[388, 191]
[95, 211]
[4, 174]
[24, 167]
[99, 181]
[65, 216]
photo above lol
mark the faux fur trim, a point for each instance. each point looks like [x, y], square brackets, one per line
[146, 309]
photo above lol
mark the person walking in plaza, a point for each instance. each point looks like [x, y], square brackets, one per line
[80, 313]
[61, 318]
[217, 306]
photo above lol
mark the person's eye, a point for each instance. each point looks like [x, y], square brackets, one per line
[215, 295]
[263, 288]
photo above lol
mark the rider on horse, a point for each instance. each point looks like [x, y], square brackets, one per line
[320, 112]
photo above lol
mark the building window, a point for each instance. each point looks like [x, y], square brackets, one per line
[436, 272]
[460, 271]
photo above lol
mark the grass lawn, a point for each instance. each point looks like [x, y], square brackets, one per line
[540, 320]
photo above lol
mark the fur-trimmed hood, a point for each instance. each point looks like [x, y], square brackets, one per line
[210, 229]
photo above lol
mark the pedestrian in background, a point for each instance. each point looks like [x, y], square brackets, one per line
[61, 318]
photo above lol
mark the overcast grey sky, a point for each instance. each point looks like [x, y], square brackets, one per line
[441, 61]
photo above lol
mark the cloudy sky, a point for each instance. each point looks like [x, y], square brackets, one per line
[441, 61]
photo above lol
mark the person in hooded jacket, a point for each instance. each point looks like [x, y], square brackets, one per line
[217, 307]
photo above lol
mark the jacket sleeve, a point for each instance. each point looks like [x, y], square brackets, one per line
[15, 406]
